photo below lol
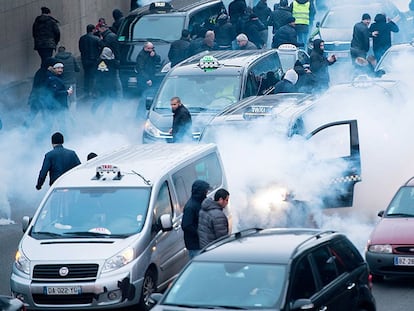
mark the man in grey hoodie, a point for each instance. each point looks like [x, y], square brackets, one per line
[212, 222]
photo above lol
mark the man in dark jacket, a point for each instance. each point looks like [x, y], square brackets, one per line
[287, 84]
[191, 212]
[382, 41]
[236, 10]
[57, 161]
[147, 64]
[70, 64]
[262, 11]
[225, 32]
[118, 19]
[360, 38]
[181, 130]
[46, 34]
[179, 49]
[306, 79]
[212, 222]
[280, 15]
[254, 29]
[90, 47]
[286, 34]
[319, 64]
[58, 93]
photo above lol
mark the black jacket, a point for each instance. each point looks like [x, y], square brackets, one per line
[182, 123]
[57, 162]
[382, 41]
[57, 95]
[90, 47]
[179, 50]
[225, 33]
[360, 37]
[110, 40]
[146, 67]
[279, 17]
[253, 29]
[285, 34]
[70, 69]
[319, 65]
[284, 86]
[45, 32]
[106, 75]
[263, 12]
[237, 9]
[191, 211]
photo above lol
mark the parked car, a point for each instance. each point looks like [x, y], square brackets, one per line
[273, 269]
[207, 83]
[397, 62]
[8, 303]
[390, 248]
[150, 22]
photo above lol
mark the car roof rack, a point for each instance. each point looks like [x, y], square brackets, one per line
[229, 238]
[315, 236]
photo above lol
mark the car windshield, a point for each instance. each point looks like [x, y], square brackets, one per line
[402, 204]
[85, 212]
[228, 285]
[152, 27]
[199, 93]
[398, 61]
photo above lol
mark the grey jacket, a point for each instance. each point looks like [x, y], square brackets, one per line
[212, 222]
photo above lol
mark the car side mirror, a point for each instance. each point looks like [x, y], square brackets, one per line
[148, 102]
[25, 223]
[154, 299]
[166, 222]
[302, 304]
[380, 213]
[318, 24]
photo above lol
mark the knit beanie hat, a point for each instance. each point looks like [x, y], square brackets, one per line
[291, 76]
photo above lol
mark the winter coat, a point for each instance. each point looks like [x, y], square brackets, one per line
[90, 47]
[179, 50]
[360, 40]
[189, 223]
[225, 33]
[118, 19]
[236, 9]
[284, 86]
[57, 96]
[382, 41]
[319, 65]
[110, 40]
[263, 12]
[146, 67]
[306, 80]
[285, 34]
[212, 222]
[57, 162]
[45, 32]
[253, 29]
[279, 17]
[106, 75]
[70, 69]
[182, 125]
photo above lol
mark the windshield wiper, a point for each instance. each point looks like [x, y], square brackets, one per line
[46, 233]
[206, 306]
[400, 215]
[87, 234]
[197, 109]
[158, 39]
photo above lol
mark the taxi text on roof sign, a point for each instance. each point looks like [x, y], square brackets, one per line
[208, 62]
[107, 168]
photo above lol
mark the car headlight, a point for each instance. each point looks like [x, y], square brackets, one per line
[22, 263]
[119, 260]
[380, 248]
[151, 129]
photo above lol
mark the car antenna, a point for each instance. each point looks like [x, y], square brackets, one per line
[146, 181]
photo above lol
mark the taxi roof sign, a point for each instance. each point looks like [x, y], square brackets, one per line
[108, 169]
[209, 62]
[160, 7]
[287, 47]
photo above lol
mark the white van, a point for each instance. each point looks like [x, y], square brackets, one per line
[108, 232]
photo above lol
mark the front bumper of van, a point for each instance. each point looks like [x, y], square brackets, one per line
[107, 292]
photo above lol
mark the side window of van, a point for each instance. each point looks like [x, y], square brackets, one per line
[163, 203]
[207, 168]
[204, 17]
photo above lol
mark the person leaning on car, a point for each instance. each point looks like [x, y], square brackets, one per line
[212, 222]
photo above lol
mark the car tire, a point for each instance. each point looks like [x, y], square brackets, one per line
[149, 286]
[377, 278]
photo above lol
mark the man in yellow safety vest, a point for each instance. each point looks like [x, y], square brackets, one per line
[303, 11]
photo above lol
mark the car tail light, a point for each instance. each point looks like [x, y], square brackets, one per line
[370, 281]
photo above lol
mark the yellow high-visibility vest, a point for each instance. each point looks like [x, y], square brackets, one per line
[301, 12]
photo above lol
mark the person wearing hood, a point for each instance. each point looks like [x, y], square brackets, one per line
[191, 212]
[212, 222]
[286, 34]
[382, 41]
[46, 34]
[106, 75]
[287, 84]
[118, 18]
[319, 64]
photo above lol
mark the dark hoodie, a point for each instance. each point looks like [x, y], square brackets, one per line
[45, 32]
[192, 208]
[319, 65]
[70, 67]
[212, 222]
[118, 18]
[382, 41]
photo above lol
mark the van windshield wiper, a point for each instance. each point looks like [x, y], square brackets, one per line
[206, 306]
[400, 215]
[87, 234]
[46, 233]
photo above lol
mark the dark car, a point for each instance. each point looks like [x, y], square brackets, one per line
[390, 248]
[161, 23]
[286, 116]
[207, 83]
[337, 24]
[273, 269]
[8, 303]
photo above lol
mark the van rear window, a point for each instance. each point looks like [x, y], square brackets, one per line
[153, 27]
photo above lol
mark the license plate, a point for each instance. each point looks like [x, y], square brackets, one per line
[404, 261]
[62, 290]
[132, 80]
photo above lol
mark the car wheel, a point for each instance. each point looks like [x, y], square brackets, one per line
[377, 278]
[149, 286]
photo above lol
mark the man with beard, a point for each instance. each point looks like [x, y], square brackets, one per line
[181, 128]
[191, 212]
[319, 64]
[147, 63]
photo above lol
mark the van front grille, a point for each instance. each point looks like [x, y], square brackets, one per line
[74, 271]
[63, 299]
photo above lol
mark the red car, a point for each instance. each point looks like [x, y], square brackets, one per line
[390, 248]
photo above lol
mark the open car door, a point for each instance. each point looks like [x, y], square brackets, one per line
[340, 143]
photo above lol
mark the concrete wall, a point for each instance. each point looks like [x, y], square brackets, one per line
[18, 60]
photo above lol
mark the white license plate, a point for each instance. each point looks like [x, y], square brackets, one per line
[62, 290]
[404, 261]
[132, 80]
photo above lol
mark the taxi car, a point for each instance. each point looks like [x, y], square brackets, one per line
[397, 62]
[289, 54]
[390, 248]
[273, 269]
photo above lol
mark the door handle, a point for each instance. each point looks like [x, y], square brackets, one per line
[351, 286]
[176, 228]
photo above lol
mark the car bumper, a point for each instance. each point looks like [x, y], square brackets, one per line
[383, 265]
[108, 292]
